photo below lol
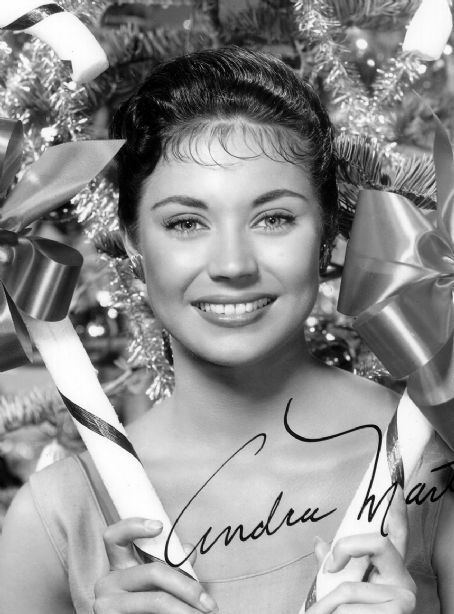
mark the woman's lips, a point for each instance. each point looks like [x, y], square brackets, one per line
[234, 314]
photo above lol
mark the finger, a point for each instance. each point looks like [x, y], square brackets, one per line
[118, 538]
[321, 549]
[388, 563]
[162, 578]
[397, 522]
[362, 594]
[189, 548]
[145, 603]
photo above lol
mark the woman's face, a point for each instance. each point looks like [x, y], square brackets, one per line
[231, 251]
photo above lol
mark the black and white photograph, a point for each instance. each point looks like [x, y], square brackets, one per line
[226, 307]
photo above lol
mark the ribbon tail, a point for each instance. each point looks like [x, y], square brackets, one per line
[11, 141]
[16, 345]
[59, 174]
[431, 388]
[444, 170]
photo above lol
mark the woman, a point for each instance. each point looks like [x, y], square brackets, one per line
[228, 206]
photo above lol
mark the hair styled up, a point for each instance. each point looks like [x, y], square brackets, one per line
[210, 94]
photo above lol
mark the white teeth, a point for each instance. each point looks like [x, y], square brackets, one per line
[231, 309]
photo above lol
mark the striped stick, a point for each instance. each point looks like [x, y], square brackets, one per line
[104, 435]
[71, 40]
[403, 445]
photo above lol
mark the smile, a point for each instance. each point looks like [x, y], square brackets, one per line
[234, 309]
[234, 314]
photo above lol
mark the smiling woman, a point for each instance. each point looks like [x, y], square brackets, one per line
[241, 241]
[228, 200]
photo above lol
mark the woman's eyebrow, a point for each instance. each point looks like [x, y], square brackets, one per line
[274, 195]
[199, 204]
[182, 200]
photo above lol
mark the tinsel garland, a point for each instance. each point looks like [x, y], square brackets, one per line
[321, 34]
[320, 26]
[34, 407]
[102, 227]
[374, 14]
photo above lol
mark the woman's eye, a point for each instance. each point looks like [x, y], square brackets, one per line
[275, 221]
[183, 225]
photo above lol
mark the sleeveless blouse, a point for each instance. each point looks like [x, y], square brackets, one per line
[71, 507]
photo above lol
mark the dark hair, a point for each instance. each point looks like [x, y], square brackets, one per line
[214, 90]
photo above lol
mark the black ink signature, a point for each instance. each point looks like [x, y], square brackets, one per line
[263, 528]
[415, 495]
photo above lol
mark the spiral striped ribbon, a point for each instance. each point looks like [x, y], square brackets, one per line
[34, 16]
[396, 470]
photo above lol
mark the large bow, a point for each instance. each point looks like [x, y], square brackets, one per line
[38, 276]
[398, 279]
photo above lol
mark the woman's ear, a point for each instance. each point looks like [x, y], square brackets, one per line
[134, 256]
[128, 244]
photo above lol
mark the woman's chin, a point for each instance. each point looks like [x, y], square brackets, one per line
[242, 356]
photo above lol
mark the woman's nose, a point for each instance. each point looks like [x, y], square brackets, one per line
[232, 257]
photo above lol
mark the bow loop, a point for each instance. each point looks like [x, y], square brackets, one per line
[399, 279]
[38, 276]
[8, 237]
[444, 169]
[42, 277]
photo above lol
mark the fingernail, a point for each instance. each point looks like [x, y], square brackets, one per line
[329, 563]
[208, 603]
[153, 525]
[317, 540]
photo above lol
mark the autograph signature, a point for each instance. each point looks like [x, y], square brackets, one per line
[417, 495]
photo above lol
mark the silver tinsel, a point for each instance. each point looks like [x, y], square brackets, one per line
[322, 25]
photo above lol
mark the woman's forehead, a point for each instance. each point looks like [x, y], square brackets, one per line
[207, 142]
[232, 178]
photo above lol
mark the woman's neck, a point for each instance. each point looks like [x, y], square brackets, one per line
[228, 402]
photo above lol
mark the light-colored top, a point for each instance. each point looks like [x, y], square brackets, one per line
[74, 521]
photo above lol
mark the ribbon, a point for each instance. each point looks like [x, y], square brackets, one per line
[99, 426]
[37, 275]
[398, 279]
[34, 16]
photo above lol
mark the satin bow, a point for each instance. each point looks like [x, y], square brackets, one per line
[398, 279]
[37, 275]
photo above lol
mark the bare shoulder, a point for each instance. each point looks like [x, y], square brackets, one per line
[443, 554]
[349, 399]
[28, 561]
[370, 398]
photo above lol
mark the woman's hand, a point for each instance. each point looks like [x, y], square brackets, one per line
[152, 588]
[390, 589]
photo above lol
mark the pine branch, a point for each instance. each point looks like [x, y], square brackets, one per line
[364, 163]
[374, 14]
